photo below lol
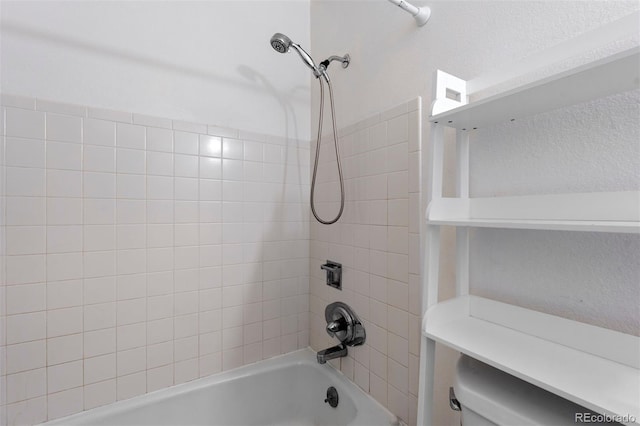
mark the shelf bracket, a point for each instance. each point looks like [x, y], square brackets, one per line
[451, 92]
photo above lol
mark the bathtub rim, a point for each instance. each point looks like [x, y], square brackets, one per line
[305, 356]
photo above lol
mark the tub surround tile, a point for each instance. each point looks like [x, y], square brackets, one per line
[136, 253]
[376, 243]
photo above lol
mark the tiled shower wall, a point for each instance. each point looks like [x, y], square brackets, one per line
[141, 252]
[377, 241]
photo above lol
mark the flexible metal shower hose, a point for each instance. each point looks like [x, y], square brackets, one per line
[335, 142]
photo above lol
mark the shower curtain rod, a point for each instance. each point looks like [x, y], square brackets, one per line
[421, 14]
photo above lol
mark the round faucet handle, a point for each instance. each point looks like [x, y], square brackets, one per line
[333, 327]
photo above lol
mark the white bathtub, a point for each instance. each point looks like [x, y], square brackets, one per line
[286, 390]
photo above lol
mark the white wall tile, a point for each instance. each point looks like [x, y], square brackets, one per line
[131, 336]
[98, 132]
[25, 240]
[159, 331]
[398, 130]
[62, 239]
[159, 163]
[130, 136]
[61, 108]
[186, 189]
[61, 322]
[131, 385]
[160, 212]
[30, 411]
[24, 123]
[64, 183]
[131, 186]
[159, 378]
[189, 126]
[99, 342]
[64, 403]
[99, 211]
[186, 165]
[185, 371]
[26, 356]
[159, 139]
[159, 307]
[110, 115]
[17, 101]
[98, 394]
[64, 294]
[25, 152]
[99, 264]
[99, 158]
[100, 368]
[26, 385]
[25, 211]
[64, 211]
[146, 120]
[132, 361]
[26, 327]
[185, 143]
[99, 316]
[61, 155]
[99, 185]
[131, 236]
[64, 266]
[25, 269]
[159, 235]
[115, 242]
[130, 161]
[131, 311]
[210, 168]
[130, 211]
[64, 349]
[210, 146]
[210, 190]
[64, 128]
[131, 286]
[25, 181]
[25, 298]
[232, 148]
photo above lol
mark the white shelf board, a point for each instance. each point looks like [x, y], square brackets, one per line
[552, 225]
[614, 74]
[587, 212]
[526, 344]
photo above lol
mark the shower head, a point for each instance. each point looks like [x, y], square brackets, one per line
[281, 43]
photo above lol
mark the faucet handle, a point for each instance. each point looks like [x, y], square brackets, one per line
[333, 326]
[343, 324]
[336, 326]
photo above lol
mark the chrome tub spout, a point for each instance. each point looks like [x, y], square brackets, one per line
[333, 352]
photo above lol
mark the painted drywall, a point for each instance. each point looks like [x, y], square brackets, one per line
[592, 278]
[206, 62]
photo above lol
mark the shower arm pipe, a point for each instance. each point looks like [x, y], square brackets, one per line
[420, 14]
[346, 60]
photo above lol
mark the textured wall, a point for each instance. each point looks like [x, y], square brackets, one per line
[142, 252]
[593, 278]
[588, 147]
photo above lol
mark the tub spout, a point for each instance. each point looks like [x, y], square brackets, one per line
[333, 352]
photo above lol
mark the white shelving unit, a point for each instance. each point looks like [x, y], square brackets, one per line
[591, 366]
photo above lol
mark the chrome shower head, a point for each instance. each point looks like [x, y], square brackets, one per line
[281, 43]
